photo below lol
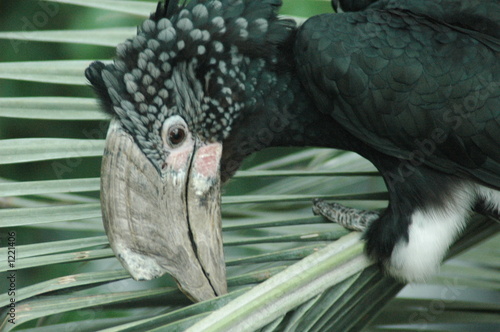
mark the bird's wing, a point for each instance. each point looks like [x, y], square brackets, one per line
[408, 85]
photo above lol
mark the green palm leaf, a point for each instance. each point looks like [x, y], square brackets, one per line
[51, 108]
[287, 269]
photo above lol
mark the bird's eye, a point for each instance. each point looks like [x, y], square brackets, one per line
[176, 136]
[175, 132]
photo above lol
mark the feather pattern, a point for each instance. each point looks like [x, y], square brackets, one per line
[395, 80]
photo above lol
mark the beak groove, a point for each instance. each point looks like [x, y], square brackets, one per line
[203, 197]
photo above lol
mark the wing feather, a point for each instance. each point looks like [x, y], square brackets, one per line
[404, 83]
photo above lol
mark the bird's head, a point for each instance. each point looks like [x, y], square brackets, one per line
[174, 92]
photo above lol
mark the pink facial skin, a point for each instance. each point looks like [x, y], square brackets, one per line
[207, 160]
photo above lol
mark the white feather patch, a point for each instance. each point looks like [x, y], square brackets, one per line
[490, 196]
[431, 233]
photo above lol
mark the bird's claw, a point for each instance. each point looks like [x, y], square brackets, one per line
[350, 218]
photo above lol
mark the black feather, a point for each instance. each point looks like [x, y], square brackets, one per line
[93, 74]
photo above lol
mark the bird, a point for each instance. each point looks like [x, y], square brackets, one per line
[412, 86]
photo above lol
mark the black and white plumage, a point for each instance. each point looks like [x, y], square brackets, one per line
[420, 92]
[205, 84]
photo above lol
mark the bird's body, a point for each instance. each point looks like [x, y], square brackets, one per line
[406, 84]
[421, 95]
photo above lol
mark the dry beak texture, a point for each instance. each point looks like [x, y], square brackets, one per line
[146, 220]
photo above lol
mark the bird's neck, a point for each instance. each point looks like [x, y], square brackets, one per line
[286, 116]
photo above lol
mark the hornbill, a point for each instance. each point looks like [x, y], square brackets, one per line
[412, 86]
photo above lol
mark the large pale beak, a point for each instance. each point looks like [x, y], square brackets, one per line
[168, 221]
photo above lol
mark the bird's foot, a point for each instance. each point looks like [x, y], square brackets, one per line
[350, 218]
